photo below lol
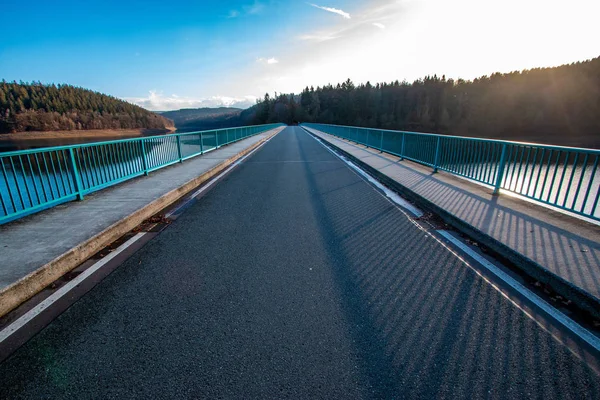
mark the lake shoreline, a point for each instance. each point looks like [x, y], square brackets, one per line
[101, 134]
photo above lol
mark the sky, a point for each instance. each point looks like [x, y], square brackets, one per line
[166, 55]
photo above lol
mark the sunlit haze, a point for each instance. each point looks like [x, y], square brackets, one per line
[171, 55]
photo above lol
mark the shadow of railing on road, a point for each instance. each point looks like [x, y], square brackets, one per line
[566, 253]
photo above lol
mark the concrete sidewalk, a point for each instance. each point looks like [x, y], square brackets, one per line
[558, 249]
[36, 250]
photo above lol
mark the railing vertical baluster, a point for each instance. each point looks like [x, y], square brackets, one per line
[128, 159]
[10, 195]
[4, 206]
[539, 173]
[62, 158]
[402, 148]
[500, 169]
[53, 174]
[15, 178]
[144, 157]
[573, 168]
[97, 169]
[581, 178]
[24, 175]
[437, 155]
[201, 144]
[590, 183]
[75, 172]
[562, 176]
[593, 210]
[84, 169]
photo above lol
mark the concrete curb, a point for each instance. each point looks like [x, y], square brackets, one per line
[566, 289]
[17, 293]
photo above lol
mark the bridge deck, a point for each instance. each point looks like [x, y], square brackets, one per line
[567, 246]
[293, 277]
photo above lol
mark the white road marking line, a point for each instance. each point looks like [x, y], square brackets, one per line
[561, 318]
[389, 193]
[567, 322]
[38, 309]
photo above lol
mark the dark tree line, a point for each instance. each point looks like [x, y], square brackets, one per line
[37, 107]
[558, 105]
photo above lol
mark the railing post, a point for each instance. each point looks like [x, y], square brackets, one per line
[437, 156]
[76, 177]
[500, 168]
[179, 148]
[217, 139]
[201, 144]
[144, 159]
[402, 148]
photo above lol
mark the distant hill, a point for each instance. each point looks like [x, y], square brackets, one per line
[205, 118]
[38, 107]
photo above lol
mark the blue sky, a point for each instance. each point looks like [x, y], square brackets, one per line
[167, 55]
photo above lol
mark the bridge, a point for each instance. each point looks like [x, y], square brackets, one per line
[300, 262]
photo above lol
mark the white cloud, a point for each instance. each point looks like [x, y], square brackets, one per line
[317, 38]
[332, 10]
[233, 14]
[379, 25]
[156, 101]
[269, 61]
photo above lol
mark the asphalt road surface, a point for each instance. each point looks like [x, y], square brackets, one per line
[294, 278]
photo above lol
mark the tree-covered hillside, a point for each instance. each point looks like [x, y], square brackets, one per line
[205, 118]
[554, 105]
[38, 107]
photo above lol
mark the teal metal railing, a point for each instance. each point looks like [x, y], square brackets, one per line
[562, 177]
[33, 180]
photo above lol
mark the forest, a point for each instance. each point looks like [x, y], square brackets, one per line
[191, 119]
[38, 107]
[559, 105]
